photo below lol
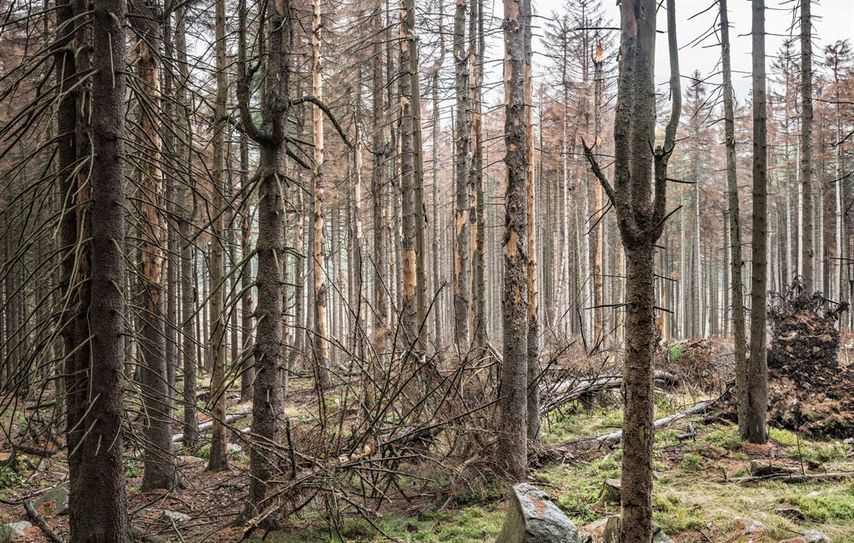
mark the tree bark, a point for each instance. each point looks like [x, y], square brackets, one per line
[807, 245]
[219, 438]
[757, 369]
[512, 402]
[99, 503]
[462, 239]
[736, 263]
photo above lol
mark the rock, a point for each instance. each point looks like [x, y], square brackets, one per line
[758, 468]
[814, 536]
[234, 451]
[13, 530]
[791, 513]
[57, 496]
[611, 490]
[752, 526]
[811, 536]
[533, 518]
[658, 535]
[175, 516]
[184, 461]
[612, 530]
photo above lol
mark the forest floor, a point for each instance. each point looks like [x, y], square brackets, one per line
[698, 497]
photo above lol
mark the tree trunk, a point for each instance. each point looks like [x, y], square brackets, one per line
[247, 373]
[159, 463]
[757, 369]
[462, 240]
[807, 247]
[219, 454]
[321, 294]
[512, 402]
[98, 501]
[188, 269]
[533, 346]
[734, 227]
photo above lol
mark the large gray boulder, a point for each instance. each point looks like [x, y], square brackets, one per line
[533, 518]
[55, 497]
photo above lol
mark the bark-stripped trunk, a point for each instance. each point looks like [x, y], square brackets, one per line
[512, 402]
[462, 239]
[378, 180]
[533, 347]
[98, 500]
[158, 461]
[807, 245]
[734, 227]
[219, 454]
[410, 215]
[321, 294]
[757, 370]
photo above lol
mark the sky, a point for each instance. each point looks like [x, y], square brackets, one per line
[832, 20]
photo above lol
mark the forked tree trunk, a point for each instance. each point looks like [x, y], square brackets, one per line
[641, 213]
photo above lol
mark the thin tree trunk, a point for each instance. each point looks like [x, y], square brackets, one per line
[757, 369]
[321, 294]
[219, 454]
[462, 240]
[807, 247]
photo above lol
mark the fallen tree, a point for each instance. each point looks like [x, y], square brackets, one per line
[207, 425]
[573, 389]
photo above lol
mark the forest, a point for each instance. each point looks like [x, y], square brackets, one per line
[426, 271]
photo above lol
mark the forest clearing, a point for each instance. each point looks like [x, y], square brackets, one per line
[426, 271]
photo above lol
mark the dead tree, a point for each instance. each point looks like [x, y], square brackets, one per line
[641, 213]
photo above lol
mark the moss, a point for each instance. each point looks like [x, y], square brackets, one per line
[691, 463]
[726, 437]
[823, 507]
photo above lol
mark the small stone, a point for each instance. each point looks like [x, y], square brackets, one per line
[57, 496]
[533, 518]
[658, 536]
[752, 526]
[612, 530]
[184, 461]
[814, 536]
[611, 490]
[13, 530]
[234, 451]
[176, 516]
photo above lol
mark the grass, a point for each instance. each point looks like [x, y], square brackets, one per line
[692, 498]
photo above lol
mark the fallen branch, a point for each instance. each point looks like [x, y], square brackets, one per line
[572, 389]
[696, 409]
[207, 425]
[794, 478]
[38, 521]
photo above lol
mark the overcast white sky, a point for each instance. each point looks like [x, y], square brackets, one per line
[833, 20]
